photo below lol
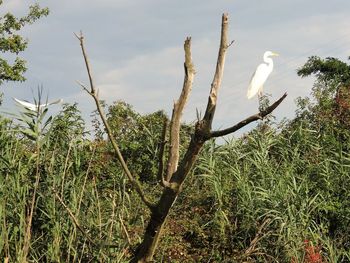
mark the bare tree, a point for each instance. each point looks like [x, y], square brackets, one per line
[175, 172]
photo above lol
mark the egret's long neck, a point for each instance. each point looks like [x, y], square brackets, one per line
[269, 62]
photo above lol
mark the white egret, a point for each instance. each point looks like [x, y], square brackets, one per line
[36, 107]
[260, 75]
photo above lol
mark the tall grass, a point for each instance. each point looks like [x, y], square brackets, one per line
[281, 190]
[271, 196]
[77, 216]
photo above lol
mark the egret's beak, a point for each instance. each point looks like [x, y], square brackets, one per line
[275, 54]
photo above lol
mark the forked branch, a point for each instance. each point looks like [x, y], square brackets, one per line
[94, 94]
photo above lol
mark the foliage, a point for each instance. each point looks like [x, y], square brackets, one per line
[139, 137]
[329, 71]
[13, 43]
[59, 170]
[257, 199]
[68, 125]
[331, 91]
[260, 198]
[278, 194]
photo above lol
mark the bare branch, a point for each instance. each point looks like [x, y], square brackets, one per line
[124, 229]
[258, 236]
[84, 87]
[87, 64]
[231, 43]
[179, 105]
[209, 113]
[136, 185]
[203, 127]
[248, 120]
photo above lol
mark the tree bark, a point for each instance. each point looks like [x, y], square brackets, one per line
[146, 249]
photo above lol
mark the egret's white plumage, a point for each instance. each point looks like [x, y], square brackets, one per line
[36, 107]
[260, 75]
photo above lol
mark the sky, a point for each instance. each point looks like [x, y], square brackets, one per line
[136, 51]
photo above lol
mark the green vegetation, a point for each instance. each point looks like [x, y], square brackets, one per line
[13, 43]
[278, 194]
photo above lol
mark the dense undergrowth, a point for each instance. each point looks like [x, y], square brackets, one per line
[280, 193]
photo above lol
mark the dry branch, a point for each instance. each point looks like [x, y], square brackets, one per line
[258, 236]
[203, 127]
[179, 106]
[75, 220]
[136, 185]
[219, 71]
[248, 120]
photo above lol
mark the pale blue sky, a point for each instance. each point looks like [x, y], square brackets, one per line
[135, 48]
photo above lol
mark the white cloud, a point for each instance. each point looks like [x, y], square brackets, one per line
[147, 81]
[152, 81]
[136, 51]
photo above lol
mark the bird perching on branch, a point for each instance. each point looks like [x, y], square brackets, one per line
[260, 75]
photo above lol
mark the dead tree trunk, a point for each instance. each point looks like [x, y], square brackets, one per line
[175, 174]
[153, 231]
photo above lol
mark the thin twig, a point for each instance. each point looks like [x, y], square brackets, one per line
[136, 185]
[248, 120]
[75, 220]
[230, 43]
[125, 230]
[251, 249]
[87, 64]
[83, 86]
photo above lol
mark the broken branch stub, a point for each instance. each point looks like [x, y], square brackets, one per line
[219, 71]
